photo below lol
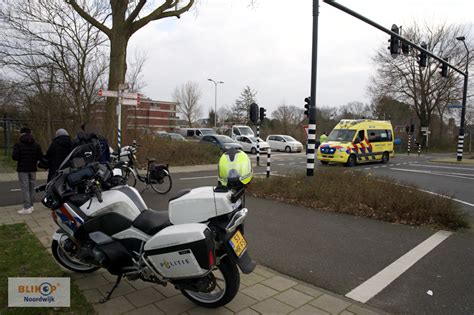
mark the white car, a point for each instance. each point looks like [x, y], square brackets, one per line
[249, 144]
[284, 143]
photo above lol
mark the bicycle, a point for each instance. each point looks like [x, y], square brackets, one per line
[157, 175]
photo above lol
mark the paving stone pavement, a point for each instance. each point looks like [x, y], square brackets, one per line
[264, 291]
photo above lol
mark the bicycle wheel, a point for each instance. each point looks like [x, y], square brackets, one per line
[129, 176]
[161, 186]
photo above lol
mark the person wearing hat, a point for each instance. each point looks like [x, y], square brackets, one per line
[58, 150]
[27, 153]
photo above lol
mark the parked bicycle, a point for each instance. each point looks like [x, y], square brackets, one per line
[157, 175]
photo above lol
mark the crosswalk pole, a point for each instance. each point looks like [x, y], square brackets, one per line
[269, 158]
[409, 140]
[258, 145]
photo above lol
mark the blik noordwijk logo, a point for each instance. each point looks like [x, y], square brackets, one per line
[39, 292]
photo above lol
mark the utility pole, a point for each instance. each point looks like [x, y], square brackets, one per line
[463, 109]
[311, 145]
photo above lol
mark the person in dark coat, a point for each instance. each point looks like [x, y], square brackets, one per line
[27, 153]
[58, 150]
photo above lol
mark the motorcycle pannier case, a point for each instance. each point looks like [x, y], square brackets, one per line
[181, 251]
[157, 171]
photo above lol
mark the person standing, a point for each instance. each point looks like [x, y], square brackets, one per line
[323, 138]
[58, 150]
[27, 153]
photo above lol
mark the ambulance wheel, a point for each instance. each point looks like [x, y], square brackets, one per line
[385, 157]
[287, 149]
[225, 282]
[324, 162]
[351, 161]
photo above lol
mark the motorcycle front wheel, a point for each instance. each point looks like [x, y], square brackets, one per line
[227, 280]
[68, 262]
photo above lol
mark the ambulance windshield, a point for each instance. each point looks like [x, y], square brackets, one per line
[343, 135]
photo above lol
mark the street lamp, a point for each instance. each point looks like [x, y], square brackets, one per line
[215, 99]
[460, 149]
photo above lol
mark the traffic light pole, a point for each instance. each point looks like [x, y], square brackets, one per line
[427, 52]
[310, 148]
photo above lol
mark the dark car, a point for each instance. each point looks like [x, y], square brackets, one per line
[223, 142]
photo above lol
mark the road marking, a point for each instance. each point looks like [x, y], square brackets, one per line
[198, 177]
[384, 166]
[446, 167]
[381, 280]
[292, 163]
[399, 164]
[456, 175]
[376, 166]
[281, 164]
[15, 189]
[444, 196]
[367, 168]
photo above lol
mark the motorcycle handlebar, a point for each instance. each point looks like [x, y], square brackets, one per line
[40, 188]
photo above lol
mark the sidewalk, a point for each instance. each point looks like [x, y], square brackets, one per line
[265, 291]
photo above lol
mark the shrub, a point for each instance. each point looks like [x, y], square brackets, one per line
[176, 153]
[361, 194]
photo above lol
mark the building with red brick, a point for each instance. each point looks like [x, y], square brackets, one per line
[148, 116]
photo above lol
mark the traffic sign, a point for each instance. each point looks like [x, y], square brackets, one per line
[424, 129]
[127, 101]
[130, 95]
[106, 93]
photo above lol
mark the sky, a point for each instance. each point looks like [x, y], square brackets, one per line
[268, 47]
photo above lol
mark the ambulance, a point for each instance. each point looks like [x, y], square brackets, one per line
[355, 141]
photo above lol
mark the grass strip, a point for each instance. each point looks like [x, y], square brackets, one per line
[22, 255]
[361, 194]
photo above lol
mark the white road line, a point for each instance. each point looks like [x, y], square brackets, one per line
[367, 168]
[454, 199]
[376, 166]
[281, 164]
[399, 164]
[384, 166]
[292, 163]
[445, 167]
[381, 280]
[456, 175]
[15, 189]
[198, 177]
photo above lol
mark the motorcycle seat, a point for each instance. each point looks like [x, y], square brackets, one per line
[152, 221]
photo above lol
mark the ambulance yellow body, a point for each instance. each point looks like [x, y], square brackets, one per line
[358, 141]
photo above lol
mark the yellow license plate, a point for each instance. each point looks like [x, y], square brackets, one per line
[238, 243]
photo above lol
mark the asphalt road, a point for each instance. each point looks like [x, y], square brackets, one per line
[341, 252]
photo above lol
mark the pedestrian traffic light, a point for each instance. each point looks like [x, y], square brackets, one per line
[423, 56]
[405, 48]
[307, 105]
[407, 128]
[412, 128]
[394, 42]
[262, 114]
[444, 69]
[254, 113]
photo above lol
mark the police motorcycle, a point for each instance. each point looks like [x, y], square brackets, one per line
[196, 245]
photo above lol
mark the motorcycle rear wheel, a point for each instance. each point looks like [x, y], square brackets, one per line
[67, 262]
[228, 283]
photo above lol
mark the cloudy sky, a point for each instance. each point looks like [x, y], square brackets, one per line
[268, 47]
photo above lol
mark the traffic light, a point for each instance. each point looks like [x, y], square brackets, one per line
[407, 128]
[405, 48]
[423, 56]
[444, 69]
[307, 105]
[262, 114]
[412, 128]
[254, 113]
[394, 42]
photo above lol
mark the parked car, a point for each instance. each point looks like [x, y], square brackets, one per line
[284, 143]
[176, 137]
[196, 132]
[249, 144]
[223, 142]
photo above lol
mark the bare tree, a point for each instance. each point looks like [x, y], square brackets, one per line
[122, 19]
[187, 96]
[241, 107]
[288, 116]
[423, 88]
[135, 73]
[51, 51]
